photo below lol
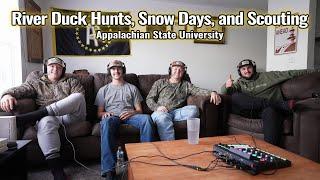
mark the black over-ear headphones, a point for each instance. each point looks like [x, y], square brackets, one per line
[244, 63]
[44, 66]
[109, 66]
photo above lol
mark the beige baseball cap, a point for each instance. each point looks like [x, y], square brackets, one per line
[56, 60]
[177, 63]
[115, 63]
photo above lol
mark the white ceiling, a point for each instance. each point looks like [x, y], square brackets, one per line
[259, 4]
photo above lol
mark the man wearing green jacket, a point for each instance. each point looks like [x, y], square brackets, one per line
[258, 95]
[168, 99]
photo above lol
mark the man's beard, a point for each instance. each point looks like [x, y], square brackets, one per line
[249, 78]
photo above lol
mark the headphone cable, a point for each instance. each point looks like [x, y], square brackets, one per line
[74, 152]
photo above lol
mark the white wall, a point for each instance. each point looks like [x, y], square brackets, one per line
[303, 58]
[28, 67]
[208, 64]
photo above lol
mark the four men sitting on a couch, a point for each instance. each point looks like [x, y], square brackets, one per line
[61, 101]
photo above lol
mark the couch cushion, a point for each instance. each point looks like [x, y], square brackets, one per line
[256, 125]
[125, 130]
[146, 82]
[30, 133]
[301, 87]
[82, 128]
[127, 133]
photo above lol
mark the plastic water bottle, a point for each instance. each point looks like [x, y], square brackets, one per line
[120, 165]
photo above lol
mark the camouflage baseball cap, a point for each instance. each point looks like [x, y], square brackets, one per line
[56, 60]
[177, 63]
[115, 63]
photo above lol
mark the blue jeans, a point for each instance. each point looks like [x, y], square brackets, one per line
[164, 120]
[109, 128]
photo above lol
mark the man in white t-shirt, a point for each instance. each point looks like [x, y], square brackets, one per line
[119, 102]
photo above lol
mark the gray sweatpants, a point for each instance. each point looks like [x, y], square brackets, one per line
[68, 110]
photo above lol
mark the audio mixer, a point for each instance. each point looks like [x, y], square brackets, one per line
[248, 158]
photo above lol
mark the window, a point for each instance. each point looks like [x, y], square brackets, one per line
[10, 48]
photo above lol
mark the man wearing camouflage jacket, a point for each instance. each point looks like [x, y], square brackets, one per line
[61, 100]
[167, 98]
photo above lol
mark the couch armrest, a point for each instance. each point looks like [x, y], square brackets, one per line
[308, 104]
[199, 101]
[209, 115]
[3, 113]
[307, 115]
[24, 106]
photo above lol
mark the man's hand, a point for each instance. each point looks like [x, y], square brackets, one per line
[162, 109]
[8, 102]
[229, 82]
[127, 114]
[107, 114]
[215, 98]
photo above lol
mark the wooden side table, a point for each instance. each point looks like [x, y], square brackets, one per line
[13, 162]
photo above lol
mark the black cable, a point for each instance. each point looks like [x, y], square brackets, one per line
[272, 173]
[179, 157]
[187, 165]
[235, 139]
[254, 142]
[198, 168]
[155, 164]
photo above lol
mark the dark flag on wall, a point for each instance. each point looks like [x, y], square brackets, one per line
[81, 40]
